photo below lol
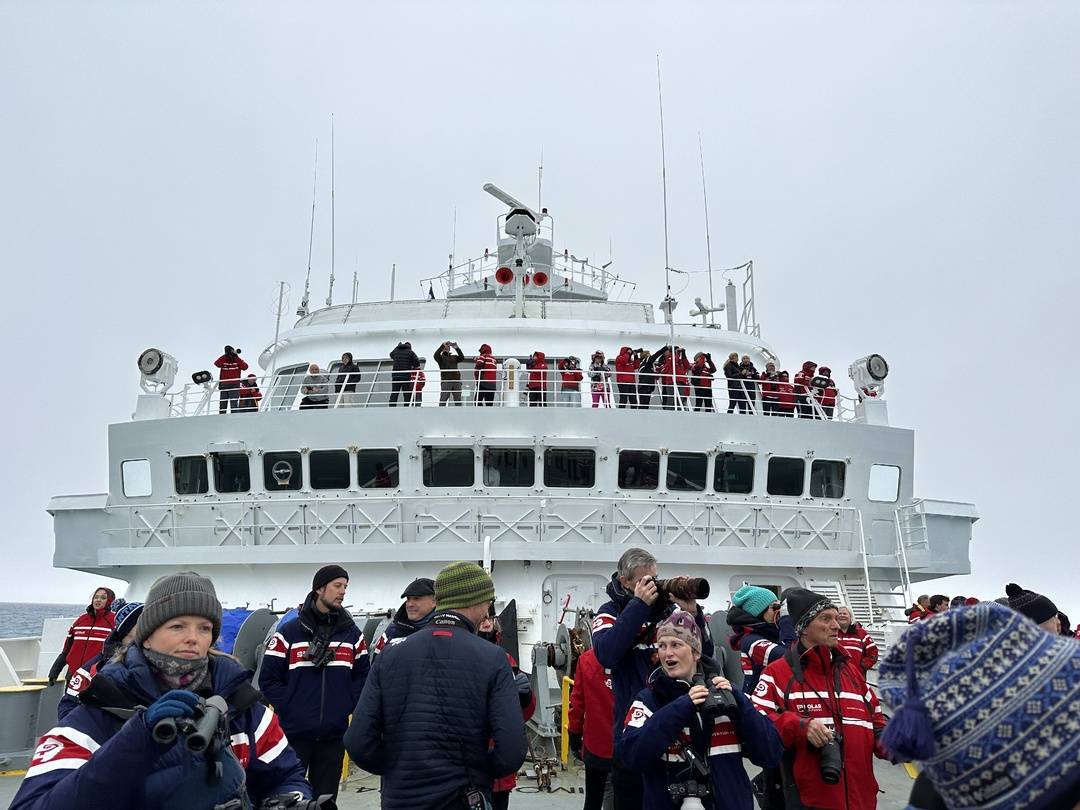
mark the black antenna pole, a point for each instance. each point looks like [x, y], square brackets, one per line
[303, 310]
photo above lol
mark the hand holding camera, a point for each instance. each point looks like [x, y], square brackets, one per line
[646, 590]
[818, 734]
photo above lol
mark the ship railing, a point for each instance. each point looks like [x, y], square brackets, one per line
[515, 385]
[481, 271]
[536, 518]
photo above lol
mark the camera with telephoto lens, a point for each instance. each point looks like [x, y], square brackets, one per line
[832, 761]
[683, 587]
[681, 791]
[719, 702]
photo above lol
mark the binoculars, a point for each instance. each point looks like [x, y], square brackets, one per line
[198, 731]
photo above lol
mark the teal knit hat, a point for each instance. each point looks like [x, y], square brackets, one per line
[754, 600]
[462, 585]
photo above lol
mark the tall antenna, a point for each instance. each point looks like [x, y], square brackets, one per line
[663, 174]
[277, 327]
[708, 243]
[540, 182]
[393, 274]
[303, 308]
[355, 281]
[453, 242]
[330, 292]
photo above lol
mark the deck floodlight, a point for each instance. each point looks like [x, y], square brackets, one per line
[157, 371]
[869, 373]
[202, 377]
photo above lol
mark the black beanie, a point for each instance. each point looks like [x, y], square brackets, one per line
[804, 605]
[328, 573]
[1028, 603]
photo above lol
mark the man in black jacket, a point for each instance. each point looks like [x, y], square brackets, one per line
[439, 717]
[405, 360]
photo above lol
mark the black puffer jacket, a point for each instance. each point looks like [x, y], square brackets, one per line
[438, 714]
[404, 357]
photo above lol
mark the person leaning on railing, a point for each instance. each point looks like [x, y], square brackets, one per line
[316, 389]
[570, 381]
[345, 382]
[485, 371]
[250, 395]
[701, 377]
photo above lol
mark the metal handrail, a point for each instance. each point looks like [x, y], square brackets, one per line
[379, 388]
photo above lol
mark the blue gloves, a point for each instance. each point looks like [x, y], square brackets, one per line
[176, 703]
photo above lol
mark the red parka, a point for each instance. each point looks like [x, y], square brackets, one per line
[592, 706]
[87, 634]
[917, 613]
[785, 394]
[802, 379]
[626, 366]
[571, 377]
[538, 367]
[825, 388]
[231, 368]
[485, 365]
[681, 365]
[859, 646]
[830, 686]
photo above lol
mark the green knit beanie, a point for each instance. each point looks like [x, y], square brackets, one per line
[462, 585]
[754, 600]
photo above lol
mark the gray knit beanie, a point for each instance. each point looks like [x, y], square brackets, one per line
[184, 594]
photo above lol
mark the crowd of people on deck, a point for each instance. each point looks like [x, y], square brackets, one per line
[635, 378]
[661, 713]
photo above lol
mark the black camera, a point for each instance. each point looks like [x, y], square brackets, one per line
[719, 702]
[690, 788]
[832, 761]
[683, 587]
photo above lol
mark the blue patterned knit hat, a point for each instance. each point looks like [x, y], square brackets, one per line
[990, 703]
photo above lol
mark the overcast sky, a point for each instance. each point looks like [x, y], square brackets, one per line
[903, 175]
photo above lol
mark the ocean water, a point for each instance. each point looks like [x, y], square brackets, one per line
[27, 618]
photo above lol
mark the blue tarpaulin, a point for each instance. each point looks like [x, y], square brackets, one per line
[231, 620]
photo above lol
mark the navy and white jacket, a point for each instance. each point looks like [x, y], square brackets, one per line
[314, 703]
[624, 638]
[662, 720]
[758, 644]
[438, 714]
[399, 629]
[96, 761]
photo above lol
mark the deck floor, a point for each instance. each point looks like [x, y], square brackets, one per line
[361, 792]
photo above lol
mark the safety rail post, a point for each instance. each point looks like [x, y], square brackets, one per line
[865, 566]
[564, 736]
[905, 572]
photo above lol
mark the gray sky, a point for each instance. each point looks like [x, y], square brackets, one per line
[904, 176]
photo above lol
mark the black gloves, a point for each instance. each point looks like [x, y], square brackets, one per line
[54, 673]
[575, 745]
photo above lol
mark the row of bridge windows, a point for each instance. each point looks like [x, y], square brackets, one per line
[510, 467]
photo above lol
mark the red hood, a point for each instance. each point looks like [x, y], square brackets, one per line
[485, 348]
[825, 371]
[540, 357]
[808, 367]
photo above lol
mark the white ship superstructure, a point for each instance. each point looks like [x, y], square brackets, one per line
[547, 497]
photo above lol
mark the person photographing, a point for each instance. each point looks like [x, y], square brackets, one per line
[688, 731]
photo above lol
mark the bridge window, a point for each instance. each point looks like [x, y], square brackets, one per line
[884, 483]
[569, 467]
[786, 476]
[827, 479]
[448, 467]
[329, 469]
[190, 476]
[377, 469]
[686, 472]
[286, 386]
[509, 467]
[232, 472]
[282, 471]
[639, 469]
[734, 473]
[135, 475]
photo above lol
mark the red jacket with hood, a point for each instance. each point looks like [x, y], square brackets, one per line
[538, 367]
[571, 377]
[682, 366]
[626, 366]
[231, 368]
[802, 379]
[592, 706]
[87, 634]
[859, 645]
[485, 365]
[785, 395]
[832, 687]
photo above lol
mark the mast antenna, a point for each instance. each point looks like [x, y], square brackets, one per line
[355, 281]
[540, 181]
[668, 304]
[330, 292]
[277, 327]
[303, 308]
[393, 274]
[708, 242]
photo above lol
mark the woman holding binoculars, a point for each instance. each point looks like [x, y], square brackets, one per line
[688, 732]
[168, 723]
